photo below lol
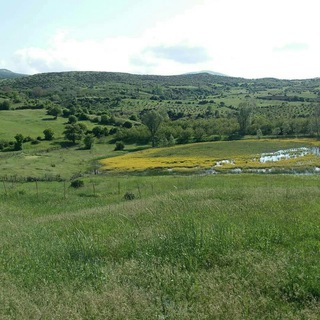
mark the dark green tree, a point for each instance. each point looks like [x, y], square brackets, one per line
[152, 120]
[5, 105]
[127, 124]
[48, 134]
[88, 141]
[18, 142]
[99, 131]
[72, 119]
[119, 146]
[74, 132]
[243, 117]
[316, 120]
[54, 111]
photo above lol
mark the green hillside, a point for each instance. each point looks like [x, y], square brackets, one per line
[114, 107]
[7, 74]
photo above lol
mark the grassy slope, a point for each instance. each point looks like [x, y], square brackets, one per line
[241, 247]
[187, 248]
[46, 158]
[28, 123]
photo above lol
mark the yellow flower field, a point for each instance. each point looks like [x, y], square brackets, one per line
[145, 160]
[219, 156]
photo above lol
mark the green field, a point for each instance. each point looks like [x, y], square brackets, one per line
[210, 247]
[28, 122]
[165, 232]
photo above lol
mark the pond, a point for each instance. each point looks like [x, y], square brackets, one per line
[272, 157]
[288, 154]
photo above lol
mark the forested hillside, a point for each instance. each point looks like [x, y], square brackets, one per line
[193, 107]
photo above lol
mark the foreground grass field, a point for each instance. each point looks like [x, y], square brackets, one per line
[188, 247]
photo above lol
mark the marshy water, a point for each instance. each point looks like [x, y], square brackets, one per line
[288, 154]
[276, 156]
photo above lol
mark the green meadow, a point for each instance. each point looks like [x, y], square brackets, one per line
[87, 232]
[187, 247]
[28, 122]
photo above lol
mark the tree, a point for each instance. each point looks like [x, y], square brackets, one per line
[5, 105]
[19, 141]
[99, 131]
[185, 136]
[105, 119]
[152, 120]
[119, 146]
[316, 120]
[48, 134]
[54, 111]
[127, 124]
[88, 141]
[72, 119]
[259, 133]
[243, 117]
[74, 132]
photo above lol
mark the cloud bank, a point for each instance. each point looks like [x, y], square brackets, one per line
[241, 38]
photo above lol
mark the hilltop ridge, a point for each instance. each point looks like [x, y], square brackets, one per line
[8, 74]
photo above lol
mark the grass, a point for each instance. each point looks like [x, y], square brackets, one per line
[59, 162]
[28, 123]
[48, 160]
[210, 247]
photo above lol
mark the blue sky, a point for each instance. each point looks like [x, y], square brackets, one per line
[246, 38]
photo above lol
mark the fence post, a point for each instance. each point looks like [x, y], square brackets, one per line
[5, 188]
[64, 190]
[139, 191]
[37, 188]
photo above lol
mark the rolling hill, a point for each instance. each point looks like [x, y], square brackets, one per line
[7, 74]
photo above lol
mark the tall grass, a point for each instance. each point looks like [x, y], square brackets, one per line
[243, 247]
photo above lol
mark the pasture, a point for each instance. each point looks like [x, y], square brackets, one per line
[187, 247]
[167, 232]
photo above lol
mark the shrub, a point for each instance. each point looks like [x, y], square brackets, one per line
[88, 141]
[18, 142]
[27, 139]
[129, 196]
[119, 146]
[5, 105]
[72, 119]
[127, 124]
[48, 134]
[77, 184]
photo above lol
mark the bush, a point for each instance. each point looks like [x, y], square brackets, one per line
[77, 184]
[18, 142]
[27, 139]
[129, 196]
[48, 134]
[5, 105]
[88, 141]
[119, 146]
[127, 124]
[72, 119]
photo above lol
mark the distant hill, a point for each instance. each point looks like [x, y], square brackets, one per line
[7, 74]
[213, 73]
[89, 79]
[107, 86]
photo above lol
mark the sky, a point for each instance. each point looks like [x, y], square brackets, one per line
[240, 38]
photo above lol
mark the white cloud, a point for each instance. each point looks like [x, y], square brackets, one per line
[240, 38]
